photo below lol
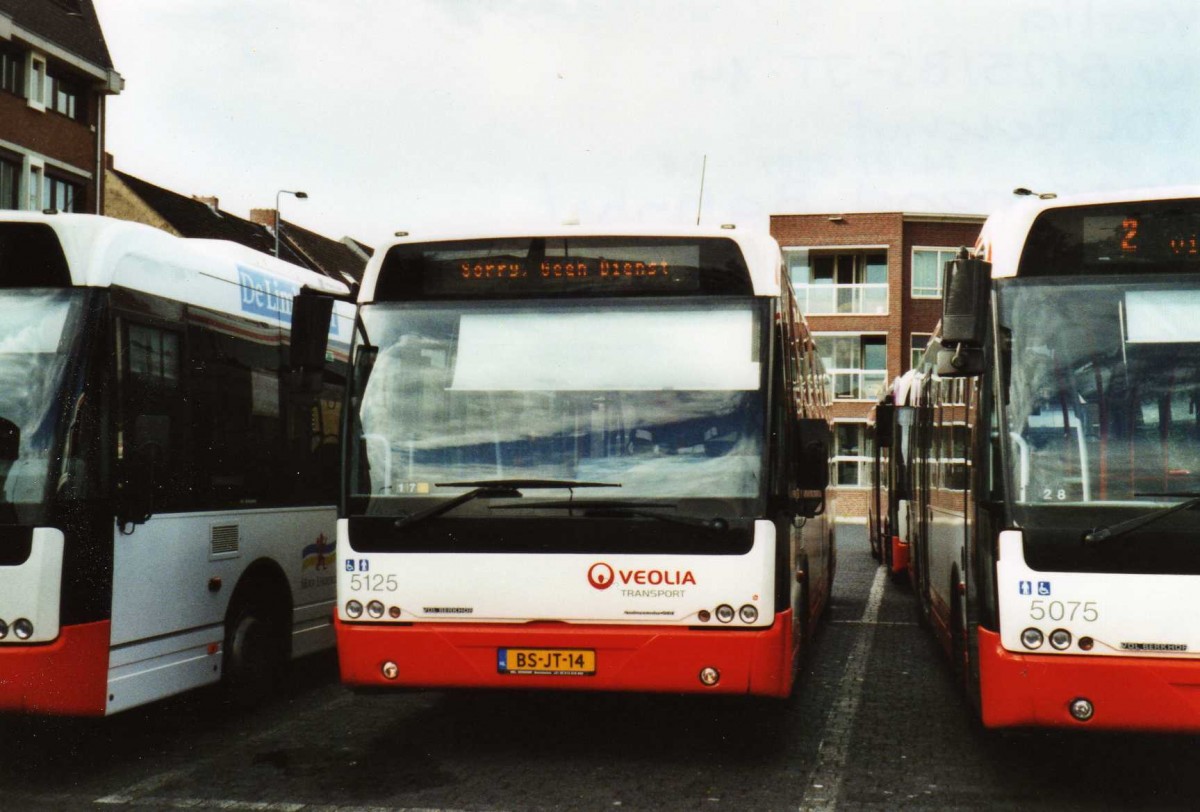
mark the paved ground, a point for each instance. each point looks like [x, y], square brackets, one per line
[876, 724]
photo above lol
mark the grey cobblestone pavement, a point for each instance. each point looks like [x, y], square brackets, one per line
[876, 724]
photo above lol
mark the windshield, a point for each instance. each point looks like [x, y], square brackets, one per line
[664, 398]
[1102, 395]
[38, 331]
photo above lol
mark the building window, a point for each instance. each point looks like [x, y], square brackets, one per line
[64, 96]
[839, 282]
[35, 92]
[35, 189]
[10, 184]
[12, 70]
[927, 265]
[850, 459]
[917, 345]
[61, 195]
[857, 364]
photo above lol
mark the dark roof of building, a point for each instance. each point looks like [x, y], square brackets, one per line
[331, 257]
[71, 24]
[193, 218]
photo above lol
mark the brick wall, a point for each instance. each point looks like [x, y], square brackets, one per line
[52, 135]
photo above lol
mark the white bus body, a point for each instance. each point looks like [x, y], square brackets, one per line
[167, 494]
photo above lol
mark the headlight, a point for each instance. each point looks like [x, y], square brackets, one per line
[375, 609]
[1060, 639]
[748, 613]
[354, 609]
[22, 628]
[725, 613]
[1032, 638]
[3, 630]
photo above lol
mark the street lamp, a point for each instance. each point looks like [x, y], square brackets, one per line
[299, 195]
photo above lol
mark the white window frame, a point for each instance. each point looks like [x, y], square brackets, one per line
[912, 287]
[35, 81]
[863, 459]
[832, 372]
[34, 177]
[915, 360]
[857, 291]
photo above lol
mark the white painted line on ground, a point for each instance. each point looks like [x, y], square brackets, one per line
[825, 781]
[269, 806]
[874, 622]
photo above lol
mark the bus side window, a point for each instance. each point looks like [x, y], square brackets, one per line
[155, 414]
[235, 387]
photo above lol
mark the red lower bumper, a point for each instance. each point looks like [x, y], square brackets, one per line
[899, 555]
[463, 655]
[68, 677]
[1128, 693]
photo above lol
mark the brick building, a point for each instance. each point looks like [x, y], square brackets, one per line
[55, 77]
[870, 288]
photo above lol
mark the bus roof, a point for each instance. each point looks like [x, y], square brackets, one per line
[96, 247]
[762, 253]
[1002, 238]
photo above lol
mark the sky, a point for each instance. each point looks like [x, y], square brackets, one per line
[434, 116]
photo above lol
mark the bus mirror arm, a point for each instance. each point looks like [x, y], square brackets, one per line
[961, 362]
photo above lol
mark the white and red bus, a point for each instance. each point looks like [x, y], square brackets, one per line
[1057, 464]
[167, 473]
[585, 460]
[890, 433]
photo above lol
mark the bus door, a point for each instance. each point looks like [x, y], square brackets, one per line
[153, 550]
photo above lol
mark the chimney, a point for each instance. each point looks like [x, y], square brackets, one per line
[211, 202]
[264, 217]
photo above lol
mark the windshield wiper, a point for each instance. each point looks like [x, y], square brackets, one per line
[526, 483]
[491, 489]
[1113, 531]
[613, 508]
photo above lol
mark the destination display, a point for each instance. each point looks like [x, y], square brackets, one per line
[558, 266]
[1115, 238]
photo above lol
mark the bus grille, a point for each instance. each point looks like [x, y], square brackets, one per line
[226, 539]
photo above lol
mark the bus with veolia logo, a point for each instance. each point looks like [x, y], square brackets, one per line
[1057, 464]
[582, 459]
[168, 466]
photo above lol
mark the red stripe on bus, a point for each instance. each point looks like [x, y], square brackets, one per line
[463, 655]
[1128, 693]
[899, 555]
[68, 677]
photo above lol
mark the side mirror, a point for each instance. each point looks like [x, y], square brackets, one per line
[884, 415]
[965, 289]
[812, 455]
[311, 315]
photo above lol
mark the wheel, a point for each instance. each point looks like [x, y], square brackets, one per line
[960, 664]
[255, 654]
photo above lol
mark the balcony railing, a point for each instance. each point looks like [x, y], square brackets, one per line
[834, 299]
[858, 384]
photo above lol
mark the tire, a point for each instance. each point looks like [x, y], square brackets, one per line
[256, 654]
[959, 664]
